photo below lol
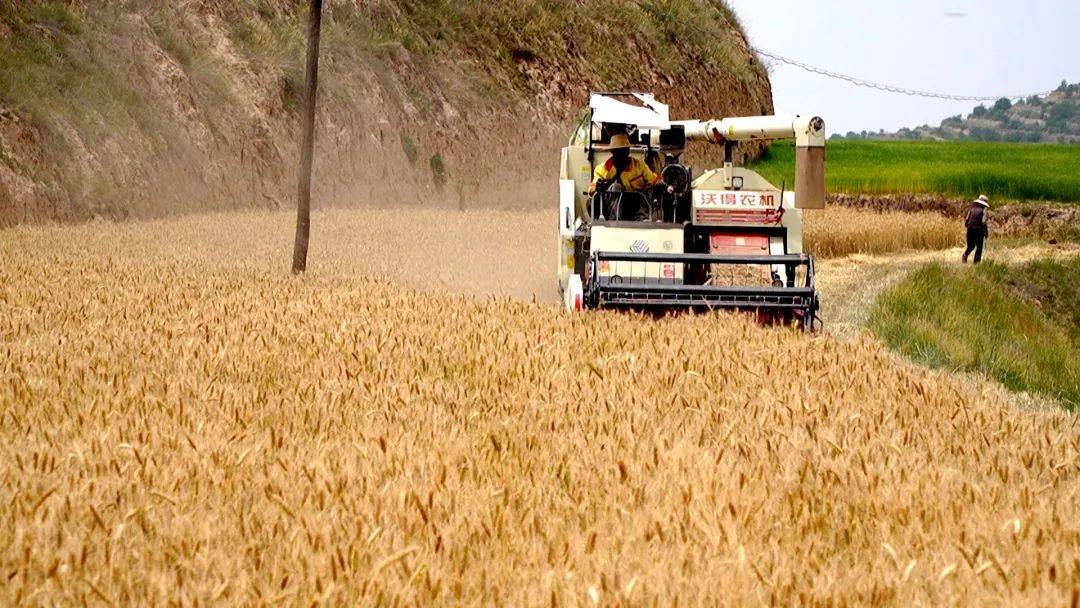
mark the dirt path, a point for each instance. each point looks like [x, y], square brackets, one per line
[849, 286]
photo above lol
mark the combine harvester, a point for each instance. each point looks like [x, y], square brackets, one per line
[723, 239]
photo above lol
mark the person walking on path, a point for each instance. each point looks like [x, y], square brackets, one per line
[977, 230]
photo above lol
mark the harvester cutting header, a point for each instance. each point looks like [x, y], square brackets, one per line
[639, 230]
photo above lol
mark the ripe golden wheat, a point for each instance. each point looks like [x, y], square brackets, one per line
[184, 422]
[839, 231]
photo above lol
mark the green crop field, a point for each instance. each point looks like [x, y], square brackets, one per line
[1003, 171]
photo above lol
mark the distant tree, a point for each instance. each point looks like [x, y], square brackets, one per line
[1034, 100]
[852, 135]
[1022, 137]
[1064, 111]
[979, 111]
[863, 134]
[985, 134]
[1060, 114]
[1002, 104]
[1063, 87]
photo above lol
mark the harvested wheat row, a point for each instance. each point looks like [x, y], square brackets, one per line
[179, 428]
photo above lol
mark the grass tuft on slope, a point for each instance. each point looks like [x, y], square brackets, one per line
[1019, 325]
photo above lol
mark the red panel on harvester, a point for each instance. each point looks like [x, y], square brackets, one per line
[738, 243]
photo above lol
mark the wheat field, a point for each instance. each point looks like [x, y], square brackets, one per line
[185, 423]
[840, 231]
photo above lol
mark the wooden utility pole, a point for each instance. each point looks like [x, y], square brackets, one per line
[307, 140]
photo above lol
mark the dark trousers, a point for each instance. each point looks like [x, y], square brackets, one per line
[626, 208]
[975, 239]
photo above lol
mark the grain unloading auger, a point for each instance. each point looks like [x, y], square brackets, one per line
[723, 239]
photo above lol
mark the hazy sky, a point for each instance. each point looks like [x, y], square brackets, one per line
[961, 47]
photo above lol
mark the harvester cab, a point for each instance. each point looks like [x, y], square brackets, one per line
[725, 238]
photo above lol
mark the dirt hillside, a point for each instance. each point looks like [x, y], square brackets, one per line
[117, 109]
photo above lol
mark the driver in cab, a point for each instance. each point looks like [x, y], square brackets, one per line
[623, 173]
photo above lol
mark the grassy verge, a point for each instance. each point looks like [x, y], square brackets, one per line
[1051, 285]
[1019, 325]
[1000, 170]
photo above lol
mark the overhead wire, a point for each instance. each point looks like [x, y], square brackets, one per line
[885, 87]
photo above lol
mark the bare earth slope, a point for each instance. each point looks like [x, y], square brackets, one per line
[184, 421]
[134, 109]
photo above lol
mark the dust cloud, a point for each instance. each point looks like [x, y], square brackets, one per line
[479, 253]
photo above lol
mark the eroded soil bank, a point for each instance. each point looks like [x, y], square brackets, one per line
[1050, 221]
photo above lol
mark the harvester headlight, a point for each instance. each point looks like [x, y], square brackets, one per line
[677, 177]
[736, 183]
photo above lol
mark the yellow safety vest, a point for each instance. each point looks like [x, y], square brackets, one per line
[635, 178]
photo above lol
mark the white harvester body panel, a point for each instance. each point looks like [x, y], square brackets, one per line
[646, 239]
[651, 115]
[758, 203]
[575, 166]
[568, 221]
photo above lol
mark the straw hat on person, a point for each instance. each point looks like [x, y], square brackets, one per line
[982, 200]
[619, 142]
